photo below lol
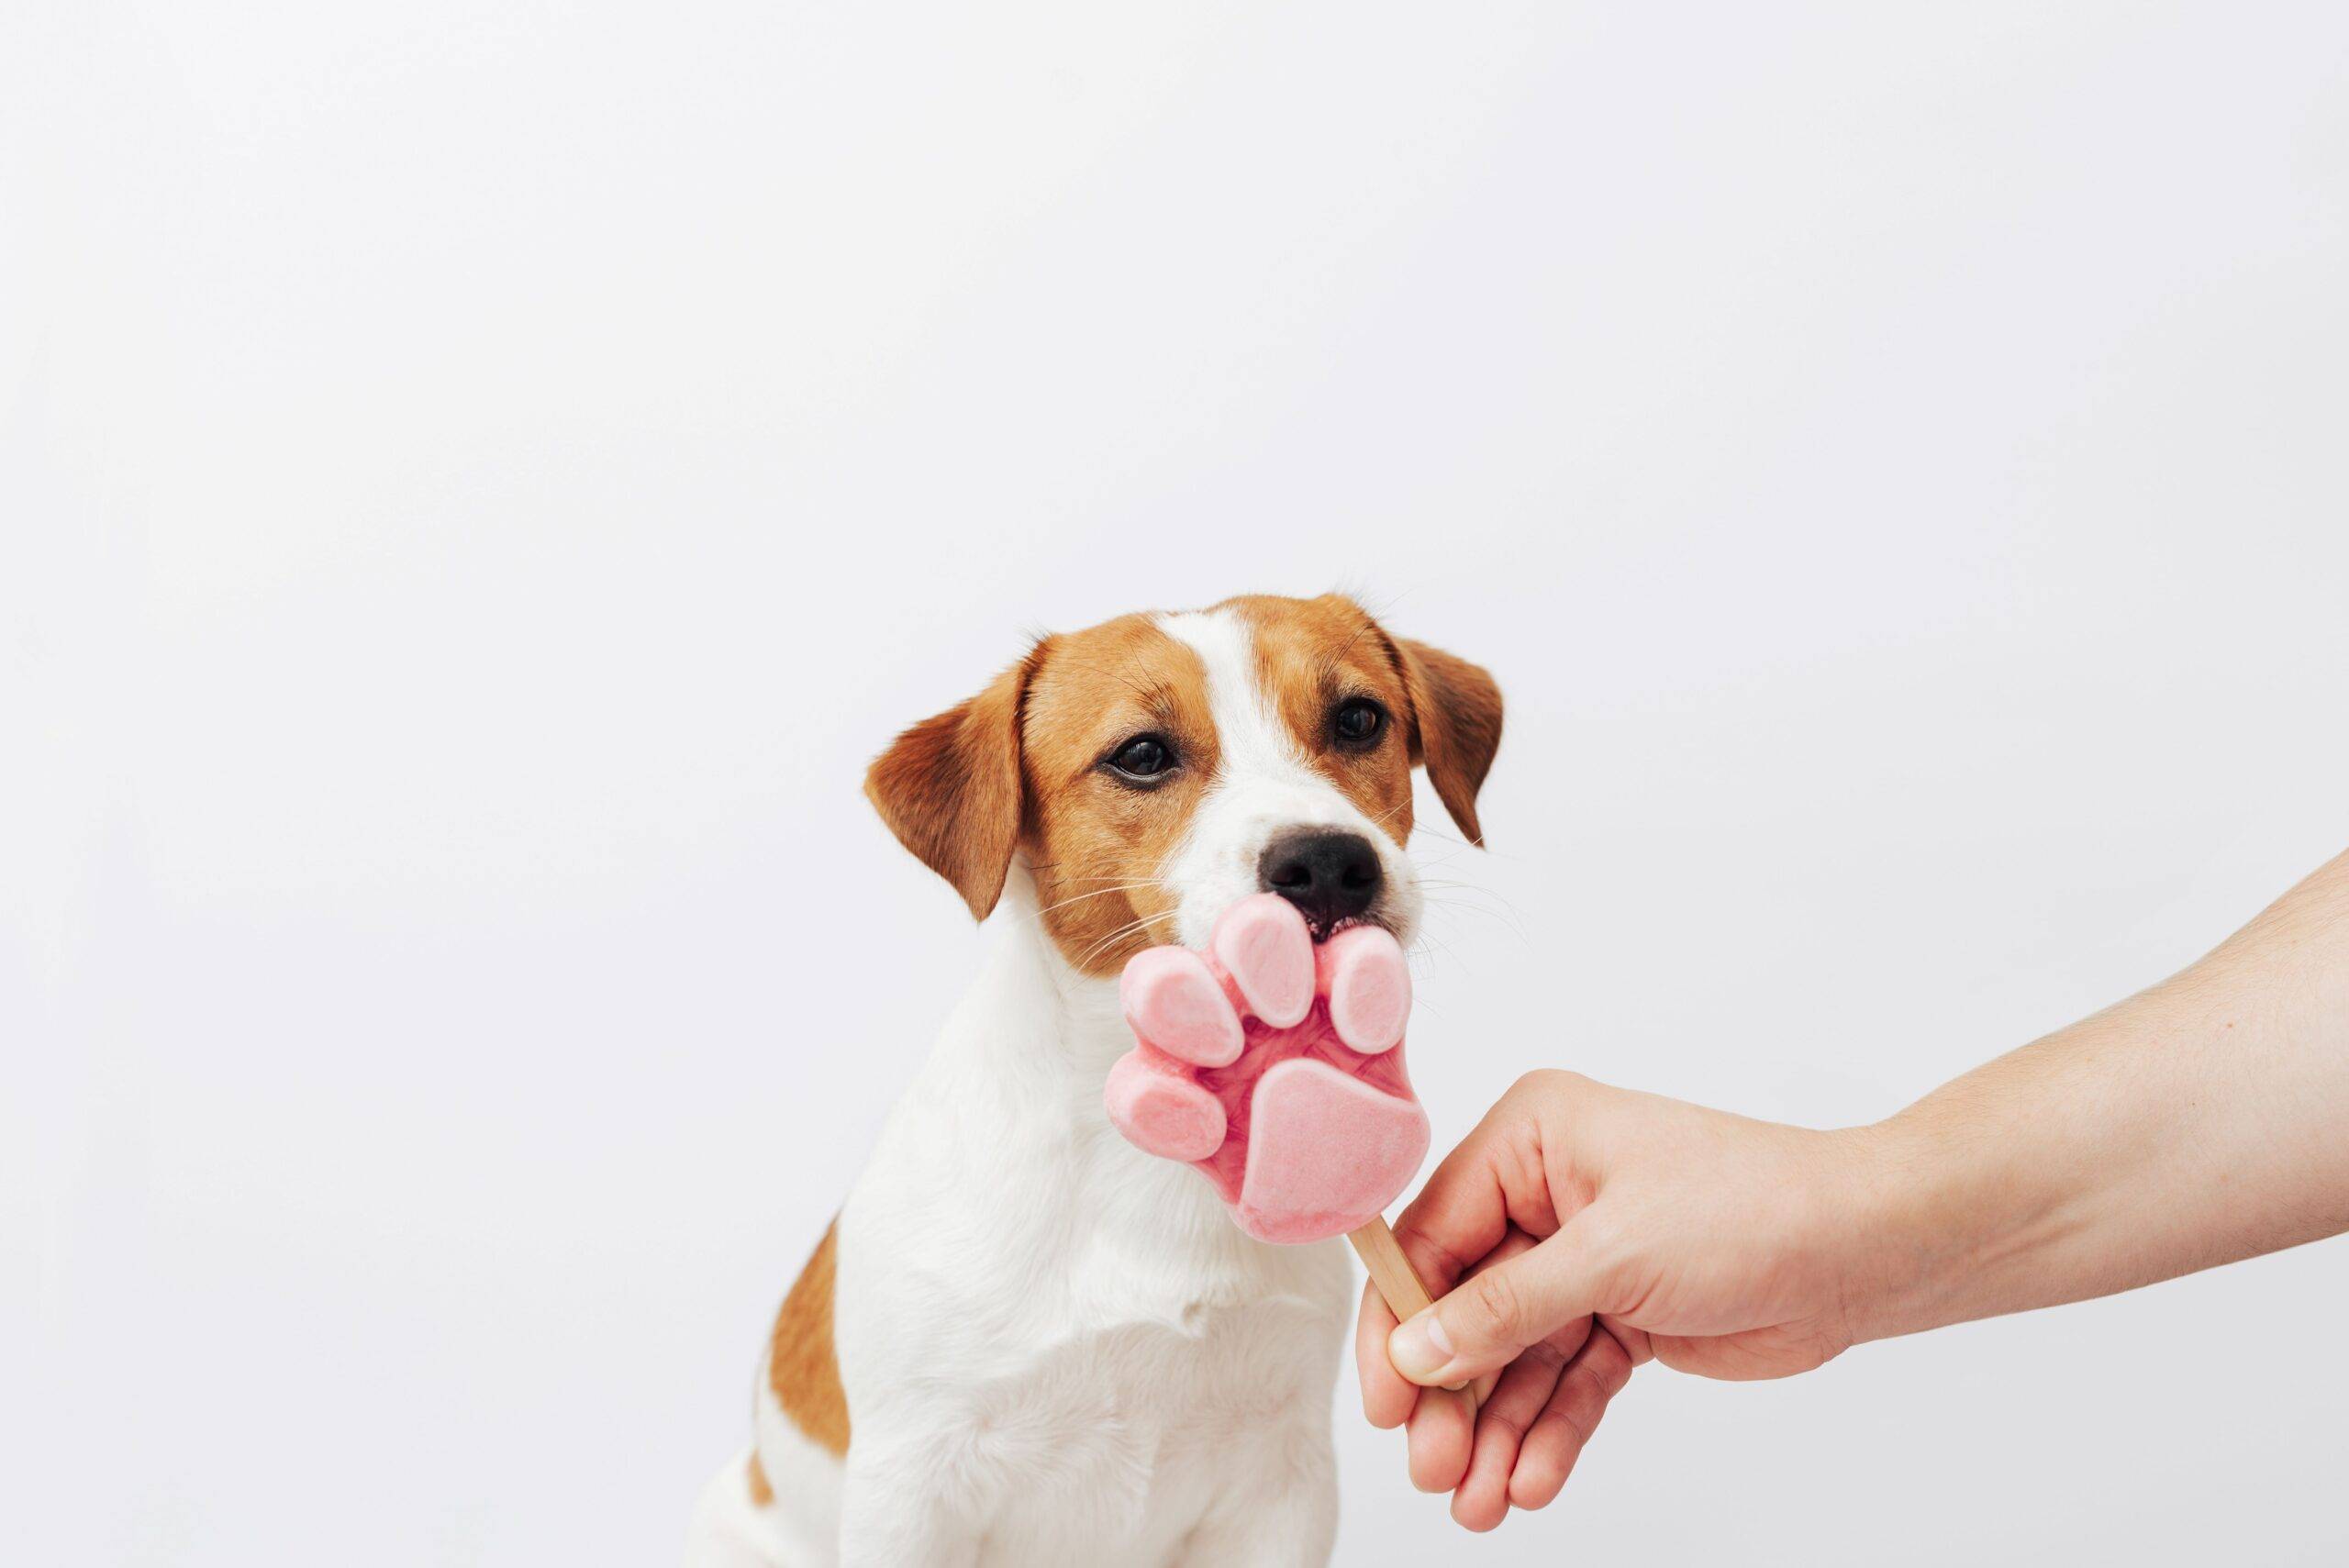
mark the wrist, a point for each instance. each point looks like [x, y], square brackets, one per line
[1918, 1226]
[1960, 1214]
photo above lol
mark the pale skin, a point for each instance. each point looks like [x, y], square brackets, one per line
[1582, 1230]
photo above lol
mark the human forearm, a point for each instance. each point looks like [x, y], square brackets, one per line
[2198, 1122]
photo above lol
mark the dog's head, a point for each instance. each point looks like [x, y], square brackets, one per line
[1156, 769]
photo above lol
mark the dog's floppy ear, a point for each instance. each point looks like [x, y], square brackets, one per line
[1455, 725]
[949, 788]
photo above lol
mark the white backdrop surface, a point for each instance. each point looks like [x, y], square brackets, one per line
[479, 482]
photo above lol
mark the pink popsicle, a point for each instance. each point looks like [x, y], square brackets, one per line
[1275, 1068]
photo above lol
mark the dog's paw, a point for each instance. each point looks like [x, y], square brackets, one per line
[1275, 1066]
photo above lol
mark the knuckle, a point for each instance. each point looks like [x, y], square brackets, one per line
[1587, 1404]
[1506, 1421]
[1547, 1092]
[1494, 1307]
[1544, 1082]
[1561, 1418]
[1545, 1355]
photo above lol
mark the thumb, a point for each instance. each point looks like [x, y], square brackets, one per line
[1496, 1313]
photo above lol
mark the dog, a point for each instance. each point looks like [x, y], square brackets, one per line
[1024, 1342]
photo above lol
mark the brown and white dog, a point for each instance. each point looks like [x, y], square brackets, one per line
[1024, 1342]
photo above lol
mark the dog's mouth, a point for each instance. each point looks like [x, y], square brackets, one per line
[1168, 927]
[1321, 932]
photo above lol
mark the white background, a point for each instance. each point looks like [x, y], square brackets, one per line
[480, 481]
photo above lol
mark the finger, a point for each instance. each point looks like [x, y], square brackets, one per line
[1565, 1342]
[1550, 1446]
[1440, 1435]
[1481, 1500]
[1635, 1341]
[1496, 1312]
[1386, 1395]
[1464, 1211]
[1442, 1430]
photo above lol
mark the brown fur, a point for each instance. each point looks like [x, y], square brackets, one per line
[762, 1489]
[1095, 846]
[1016, 767]
[1311, 655]
[802, 1366]
[949, 788]
[1456, 726]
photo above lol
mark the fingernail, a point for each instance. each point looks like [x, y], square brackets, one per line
[1420, 1348]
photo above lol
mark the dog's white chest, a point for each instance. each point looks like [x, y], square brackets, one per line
[1126, 1388]
[1111, 1446]
[1061, 1347]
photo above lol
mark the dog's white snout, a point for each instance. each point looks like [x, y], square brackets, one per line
[1266, 790]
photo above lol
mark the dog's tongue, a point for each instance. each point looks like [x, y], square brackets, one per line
[1275, 1066]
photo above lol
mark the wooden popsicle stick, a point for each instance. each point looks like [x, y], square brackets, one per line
[1396, 1281]
[1398, 1284]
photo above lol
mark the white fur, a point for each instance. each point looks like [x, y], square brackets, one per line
[1262, 785]
[1057, 1350]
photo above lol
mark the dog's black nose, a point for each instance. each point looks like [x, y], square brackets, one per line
[1329, 877]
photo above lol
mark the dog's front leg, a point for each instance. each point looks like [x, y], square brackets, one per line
[1289, 1520]
[896, 1508]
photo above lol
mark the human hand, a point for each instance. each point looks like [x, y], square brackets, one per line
[1580, 1230]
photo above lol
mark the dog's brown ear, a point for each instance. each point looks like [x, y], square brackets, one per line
[1455, 726]
[949, 788]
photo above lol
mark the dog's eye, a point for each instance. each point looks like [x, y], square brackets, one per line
[1357, 722]
[1143, 757]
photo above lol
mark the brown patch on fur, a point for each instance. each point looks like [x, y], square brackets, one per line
[1313, 655]
[762, 1489]
[949, 788]
[1456, 711]
[1096, 845]
[803, 1368]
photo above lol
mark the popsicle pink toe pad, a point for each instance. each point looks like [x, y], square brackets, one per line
[1276, 1068]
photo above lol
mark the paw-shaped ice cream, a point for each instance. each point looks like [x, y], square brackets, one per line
[1276, 1067]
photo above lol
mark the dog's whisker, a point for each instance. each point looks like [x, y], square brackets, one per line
[1098, 892]
[1514, 927]
[1427, 942]
[1113, 887]
[1129, 928]
[1132, 925]
[1469, 888]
